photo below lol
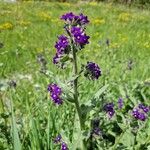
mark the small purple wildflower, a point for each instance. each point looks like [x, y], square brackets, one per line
[79, 36]
[109, 108]
[56, 59]
[68, 17]
[62, 46]
[138, 114]
[120, 103]
[83, 19]
[146, 109]
[58, 139]
[64, 146]
[92, 71]
[55, 93]
[75, 19]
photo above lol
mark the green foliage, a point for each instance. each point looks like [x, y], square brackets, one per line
[140, 2]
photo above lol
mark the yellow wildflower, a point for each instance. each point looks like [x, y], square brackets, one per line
[124, 17]
[6, 26]
[98, 21]
[24, 23]
[93, 4]
[44, 16]
[66, 4]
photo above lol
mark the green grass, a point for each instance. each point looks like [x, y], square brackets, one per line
[35, 27]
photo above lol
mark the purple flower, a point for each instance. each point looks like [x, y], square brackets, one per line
[68, 17]
[120, 103]
[83, 19]
[62, 44]
[56, 59]
[55, 93]
[64, 146]
[137, 114]
[146, 109]
[76, 30]
[58, 139]
[140, 112]
[75, 19]
[81, 39]
[79, 36]
[109, 108]
[92, 71]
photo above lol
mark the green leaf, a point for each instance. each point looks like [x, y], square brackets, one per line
[127, 138]
[16, 140]
[77, 135]
[64, 59]
[100, 91]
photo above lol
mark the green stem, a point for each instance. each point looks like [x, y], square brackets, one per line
[118, 140]
[75, 87]
[2, 105]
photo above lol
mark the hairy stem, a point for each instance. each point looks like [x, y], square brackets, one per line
[75, 86]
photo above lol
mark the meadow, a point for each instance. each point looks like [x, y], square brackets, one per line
[119, 43]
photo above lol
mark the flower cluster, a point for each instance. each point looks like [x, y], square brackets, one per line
[58, 140]
[62, 47]
[76, 37]
[109, 108]
[79, 36]
[75, 19]
[55, 93]
[140, 112]
[92, 71]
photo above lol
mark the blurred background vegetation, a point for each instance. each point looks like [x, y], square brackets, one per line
[139, 3]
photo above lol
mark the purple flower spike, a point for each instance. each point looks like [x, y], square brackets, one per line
[58, 139]
[109, 108]
[55, 93]
[64, 146]
[120, 103]
[83, 19]
[92, 71]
